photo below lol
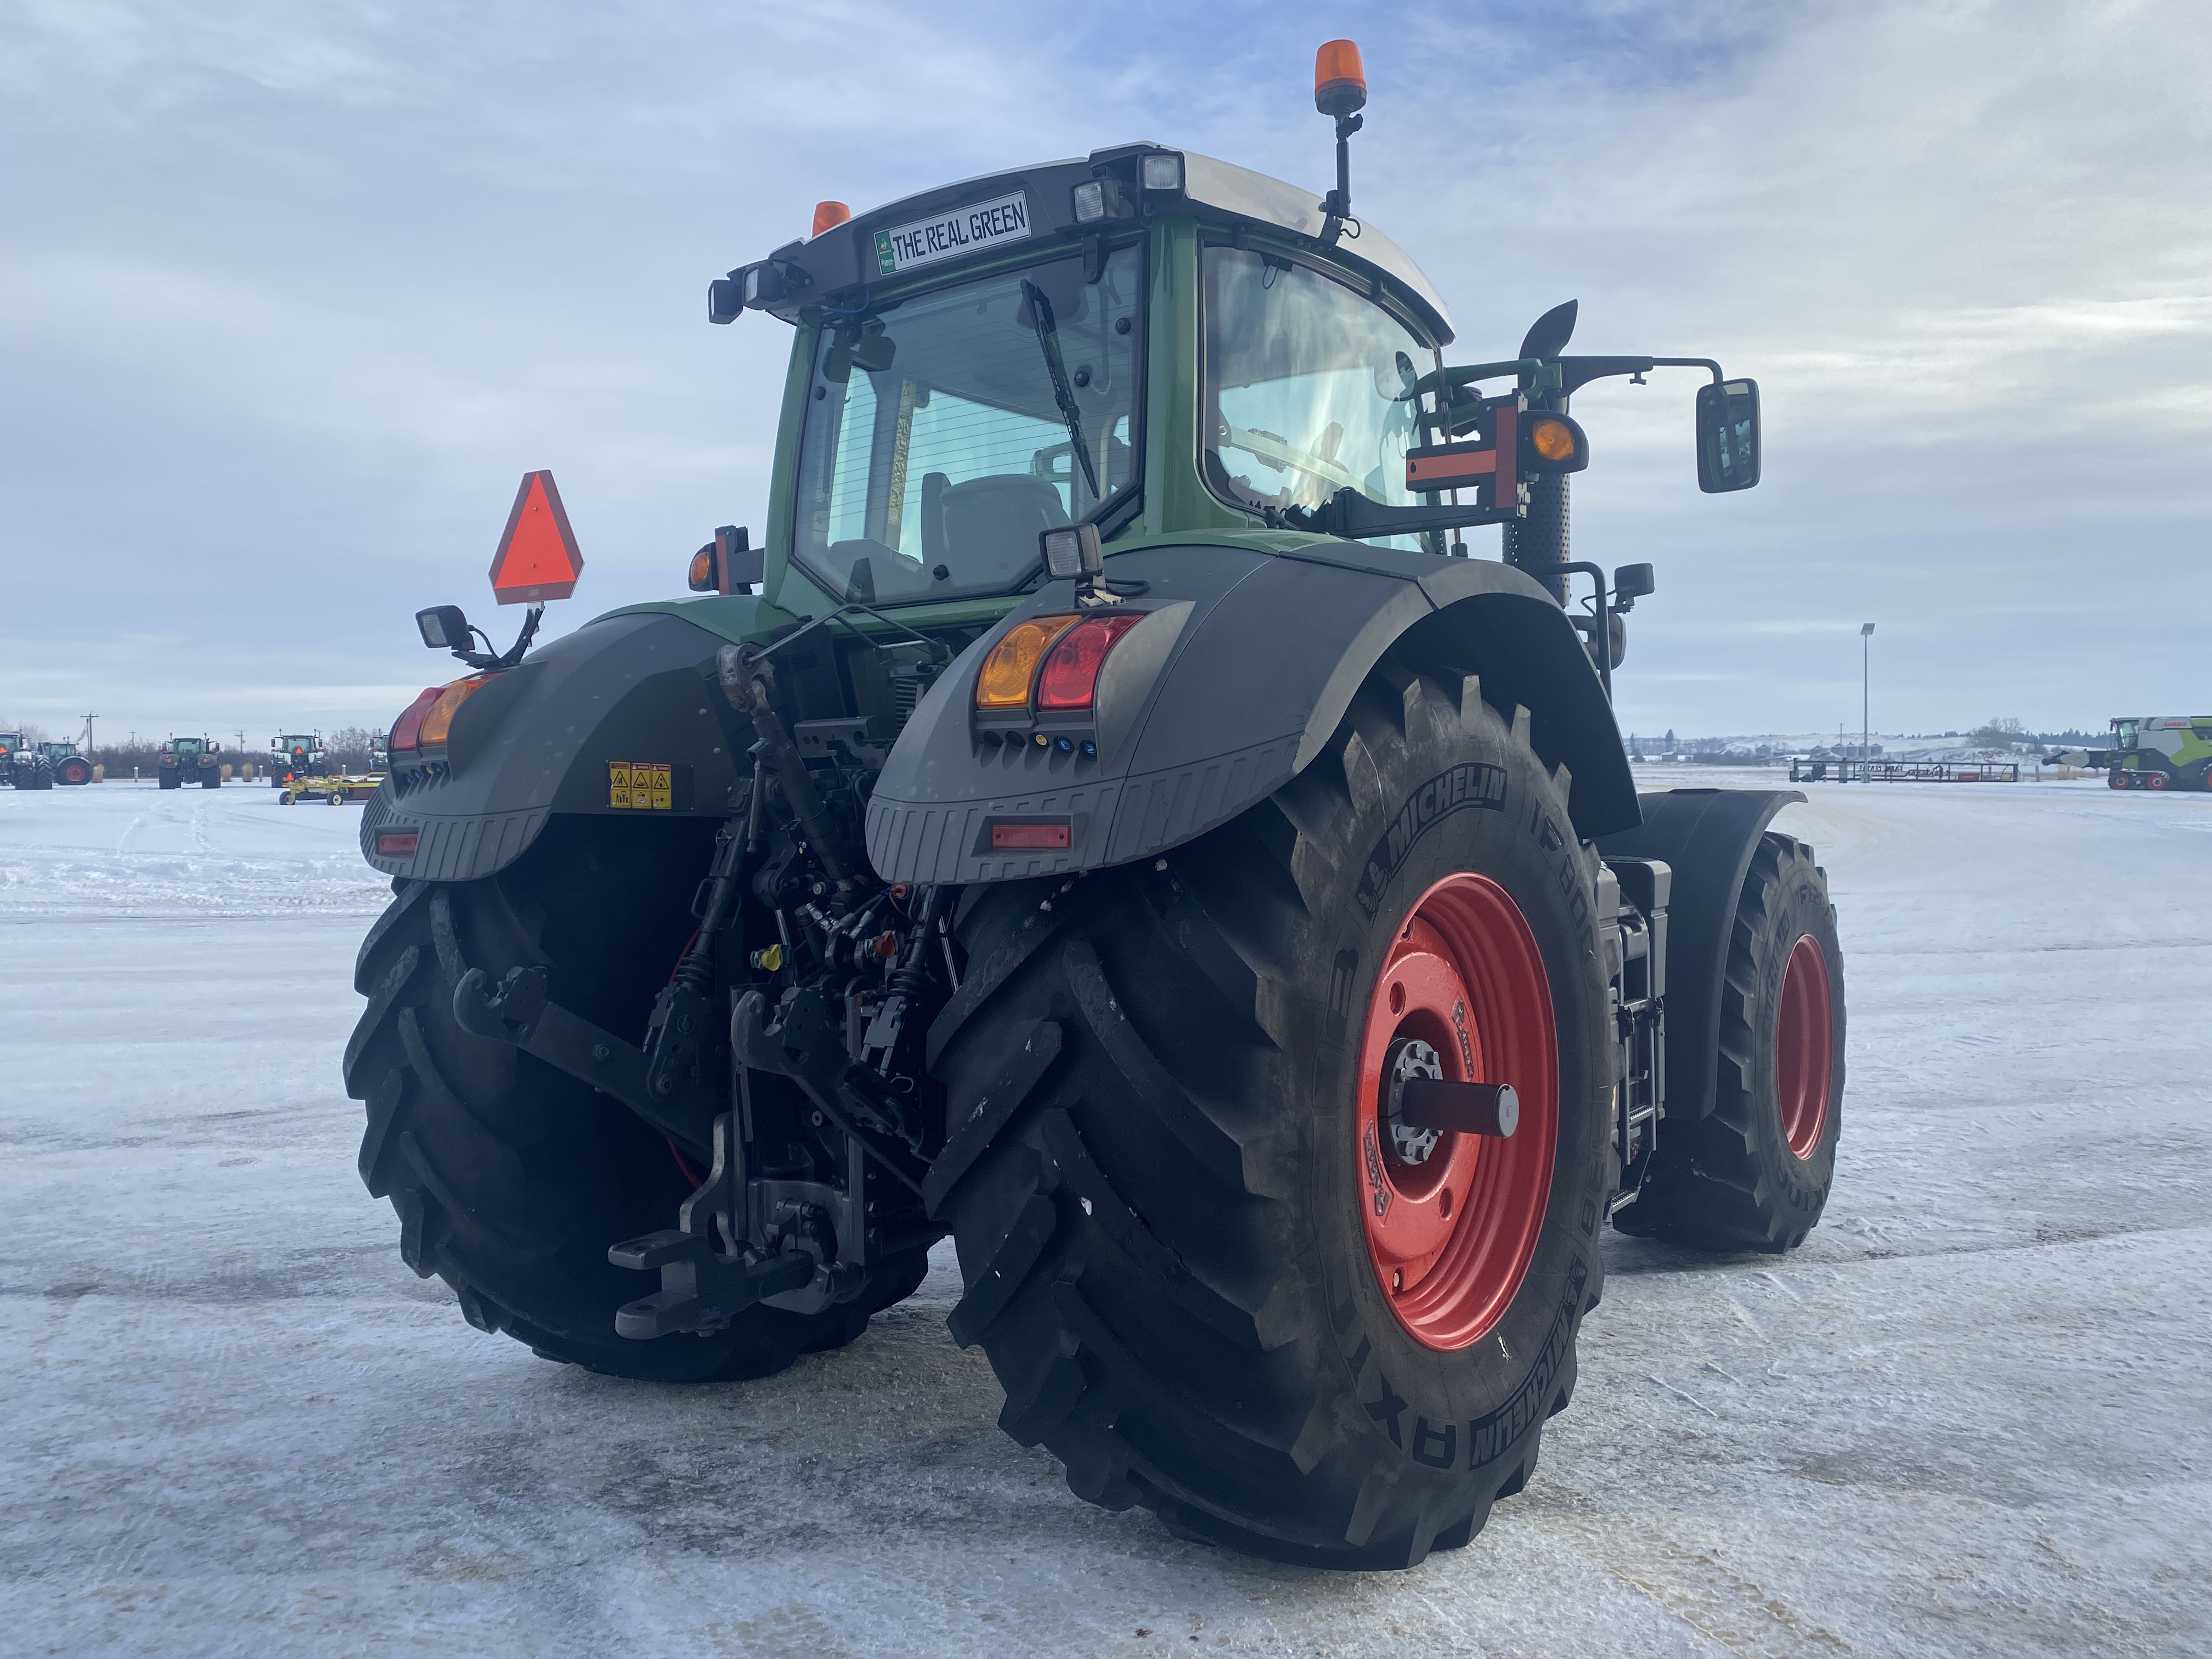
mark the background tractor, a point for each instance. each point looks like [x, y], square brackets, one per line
[1112, 818]
[70, 764]
[189, 760]
[21, 764]
[295, 756]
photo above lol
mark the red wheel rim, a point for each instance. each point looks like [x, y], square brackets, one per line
[2115, 778]
[2154, 780]
[1804, 1047]
[1451, 1239]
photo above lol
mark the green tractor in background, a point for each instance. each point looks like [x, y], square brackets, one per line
[21, 764]
[189, 760]
[1113, 819]
[70, 764]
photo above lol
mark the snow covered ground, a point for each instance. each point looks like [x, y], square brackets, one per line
[1973, 1415]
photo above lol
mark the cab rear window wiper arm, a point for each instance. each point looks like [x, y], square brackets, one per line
[1047, 333]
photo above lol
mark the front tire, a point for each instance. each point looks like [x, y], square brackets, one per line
[510, 1177]
[1756, 1174]
[1165, 1235]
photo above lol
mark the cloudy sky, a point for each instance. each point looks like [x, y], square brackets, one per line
[291, 295]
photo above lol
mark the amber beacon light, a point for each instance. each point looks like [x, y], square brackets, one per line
[1340, 79]
[828, 216]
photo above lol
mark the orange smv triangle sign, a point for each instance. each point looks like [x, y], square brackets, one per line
[537, 557]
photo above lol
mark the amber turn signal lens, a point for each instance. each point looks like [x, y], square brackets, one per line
[439, 721]
[702, 577]
[828, 216]
[1554, 440]
[1008, 672]
[1340, 79]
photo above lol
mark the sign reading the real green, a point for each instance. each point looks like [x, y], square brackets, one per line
[966, 230]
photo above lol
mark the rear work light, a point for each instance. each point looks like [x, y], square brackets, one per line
[1004, 684]
[407, 729]
[1070, 678]
[397, 843]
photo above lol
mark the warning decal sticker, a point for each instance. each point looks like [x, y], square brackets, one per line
[966, 230]
[640, 785]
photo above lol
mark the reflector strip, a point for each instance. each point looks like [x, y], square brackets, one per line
[1029, 836]
[397, 843]
[1450, 466]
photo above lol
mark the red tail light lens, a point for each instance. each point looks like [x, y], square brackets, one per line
[407, 729]
[397, 843]
[1070, 668]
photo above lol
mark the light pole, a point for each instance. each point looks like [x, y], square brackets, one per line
[1866, 679]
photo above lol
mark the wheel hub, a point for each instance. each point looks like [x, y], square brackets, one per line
[1452, 1218]
[1410, 1058]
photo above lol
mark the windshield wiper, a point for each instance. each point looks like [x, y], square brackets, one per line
[1047, 333]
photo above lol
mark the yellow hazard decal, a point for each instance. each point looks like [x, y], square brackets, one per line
[644, 786]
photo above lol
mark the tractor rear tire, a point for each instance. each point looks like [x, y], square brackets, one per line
[211, 780]
[73, 771]
[1174, 1233]
[1756, 1174]
[512, 1178]
[169, 781]
[41, 775]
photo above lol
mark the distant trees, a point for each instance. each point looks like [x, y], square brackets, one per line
[349, 746]
[2001, 731]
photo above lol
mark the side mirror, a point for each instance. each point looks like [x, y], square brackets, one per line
[1631, 581]
[1727, 436]
[444, 628]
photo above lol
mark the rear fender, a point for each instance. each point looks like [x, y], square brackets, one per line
[1234, 684]
[1707, 836]
[542, 737]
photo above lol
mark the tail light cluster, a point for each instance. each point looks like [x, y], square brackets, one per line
[1050, 665]
[428, 721]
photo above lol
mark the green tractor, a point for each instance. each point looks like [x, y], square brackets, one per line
[189, 760]
[70, 764]
[23, 766]
[1113, 819]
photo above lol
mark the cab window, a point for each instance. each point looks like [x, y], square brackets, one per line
[1309, 386]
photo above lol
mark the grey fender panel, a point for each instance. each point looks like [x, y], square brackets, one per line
[1257, 675]
[536, 741]
[1708, 837]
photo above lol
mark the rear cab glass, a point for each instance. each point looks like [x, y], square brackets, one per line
[946, 432]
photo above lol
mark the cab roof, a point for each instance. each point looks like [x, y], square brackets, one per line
[844, 259]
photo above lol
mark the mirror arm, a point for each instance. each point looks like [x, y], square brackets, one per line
[1690, 362]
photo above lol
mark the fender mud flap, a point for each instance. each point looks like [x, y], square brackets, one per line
[1707, 836]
